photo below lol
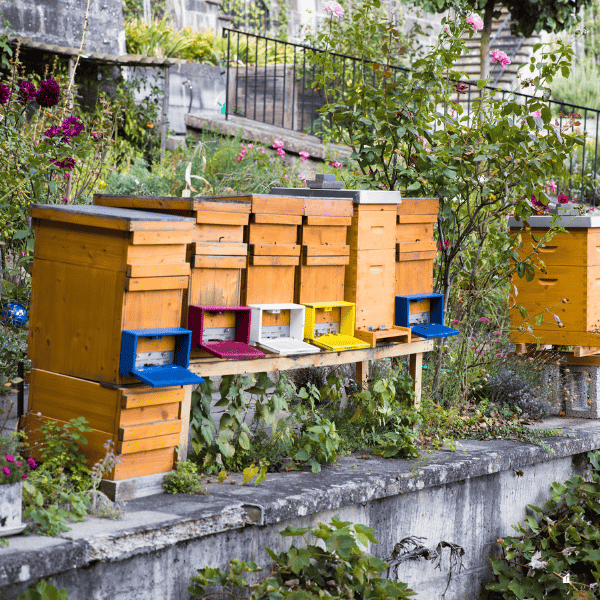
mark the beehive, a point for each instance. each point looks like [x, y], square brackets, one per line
[325, 252]
[96, 272]
[566, 291]
[143, 423]
[274, 251]
[415, 245]
[218, 252]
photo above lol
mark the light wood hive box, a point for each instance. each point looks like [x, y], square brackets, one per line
[370, 276]
[274, 251]
[568, 286]
[217, 252]
[415, 245]
[144, 423]
[96, 272]
[325, 252]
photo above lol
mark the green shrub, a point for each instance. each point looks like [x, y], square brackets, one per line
[44, 591]
[184, 480]
[581, 87]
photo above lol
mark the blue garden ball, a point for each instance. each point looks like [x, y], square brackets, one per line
[14, 314]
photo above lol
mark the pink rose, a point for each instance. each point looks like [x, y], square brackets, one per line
[476, 21]
[304, 156]
[501, 57]
[334, 8]
[278, 144]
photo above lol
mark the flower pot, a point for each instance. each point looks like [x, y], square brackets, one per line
[11, 505]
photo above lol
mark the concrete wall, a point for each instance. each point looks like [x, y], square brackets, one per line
[470, 497]
[60, 22]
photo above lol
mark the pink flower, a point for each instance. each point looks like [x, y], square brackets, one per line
[501, 57]
[552, 187]
[239, 158]
[563, 199]
[483, 320]
[496, 332]
[281, 152]
[454, 322]
[278, 144]
[336, 164]
[65, 199]
[10, 458]
[304, 156]
[95, 135]
[24, 476]
[31, 463]
[6, 471]
[334, 8]
[250, 146]
[476, 21]
[536, 113]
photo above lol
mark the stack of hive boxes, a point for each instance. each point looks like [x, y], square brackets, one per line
[96, 272]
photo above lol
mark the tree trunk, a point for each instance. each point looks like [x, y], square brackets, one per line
[486, 36]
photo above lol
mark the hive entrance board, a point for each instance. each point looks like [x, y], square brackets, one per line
[393, 333]
[424, 314]
[279, 328]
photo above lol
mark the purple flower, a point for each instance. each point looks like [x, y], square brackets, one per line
[24, 476]
[4, 93]
[537, 202]
[6, 471]
[49, 93]
[71, 127]
[27, 92]
[483, 320]
[10, 458]
[52, 132]
[68, 163]
[563, 199]
[31, 463]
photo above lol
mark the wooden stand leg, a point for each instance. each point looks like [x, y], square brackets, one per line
[362, 373]
[186, 407]
[415, 366]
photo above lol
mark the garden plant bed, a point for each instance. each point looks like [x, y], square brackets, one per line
[469, 497]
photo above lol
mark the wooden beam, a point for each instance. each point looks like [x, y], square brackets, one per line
[415, 366]
[362, 374]
[186, 409]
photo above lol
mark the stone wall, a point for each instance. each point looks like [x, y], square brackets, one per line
[60, 22]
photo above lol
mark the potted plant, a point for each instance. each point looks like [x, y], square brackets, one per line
[13, 470]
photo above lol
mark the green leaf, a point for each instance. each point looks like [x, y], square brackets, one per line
[244, 440]
[299, 559]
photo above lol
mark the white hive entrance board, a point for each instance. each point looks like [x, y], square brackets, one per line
[280, 339]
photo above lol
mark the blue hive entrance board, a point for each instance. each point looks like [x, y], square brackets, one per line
[429, 326]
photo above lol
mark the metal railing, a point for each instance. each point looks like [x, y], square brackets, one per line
[271, 81]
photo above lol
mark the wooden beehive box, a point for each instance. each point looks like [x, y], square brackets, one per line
[415, 245]
[274, 251]
[325, 252]
[143, 423]
[568, 286]
[96, 272]
[217, 253]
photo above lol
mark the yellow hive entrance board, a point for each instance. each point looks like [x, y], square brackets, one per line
[328, 334]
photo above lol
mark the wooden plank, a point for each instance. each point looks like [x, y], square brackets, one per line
[144, 463]
[277, 205]
[224, 218]
[328, 250]
[557, 337]
[328, 221]
[322, 235]
[166, 342]
[186, 411]
[218, 233]
[144, 202]
[71, 244]
[415, 232]
[405, 219]
[216, 204]
[328, 207]
[579, 351]
[132, 398]
[155, 283]
[310, 261]
[150, 309]
[319, 278]
[419, 206]
[415, 367]
[394, 333]
[414, 277]
[277, 219]
[150, 238]
[136, 432]
[275, 249]
[416, 246]
[212, 367]
[372, 230]
[154, 443]
[220, 287]
[149, 414]
[166, 254]
[362, 374]
[272, 261]
[272, 234]
[215, 249]
[410, 256]
[419, 307]
[218, 262]
[158, 270]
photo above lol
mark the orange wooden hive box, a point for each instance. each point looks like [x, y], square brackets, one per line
[96, 272]
[415, 245]
[325, 252]
[143, 423]
[565, 289]
[218, 251]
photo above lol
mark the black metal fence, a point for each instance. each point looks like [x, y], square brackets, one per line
[271, 81]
